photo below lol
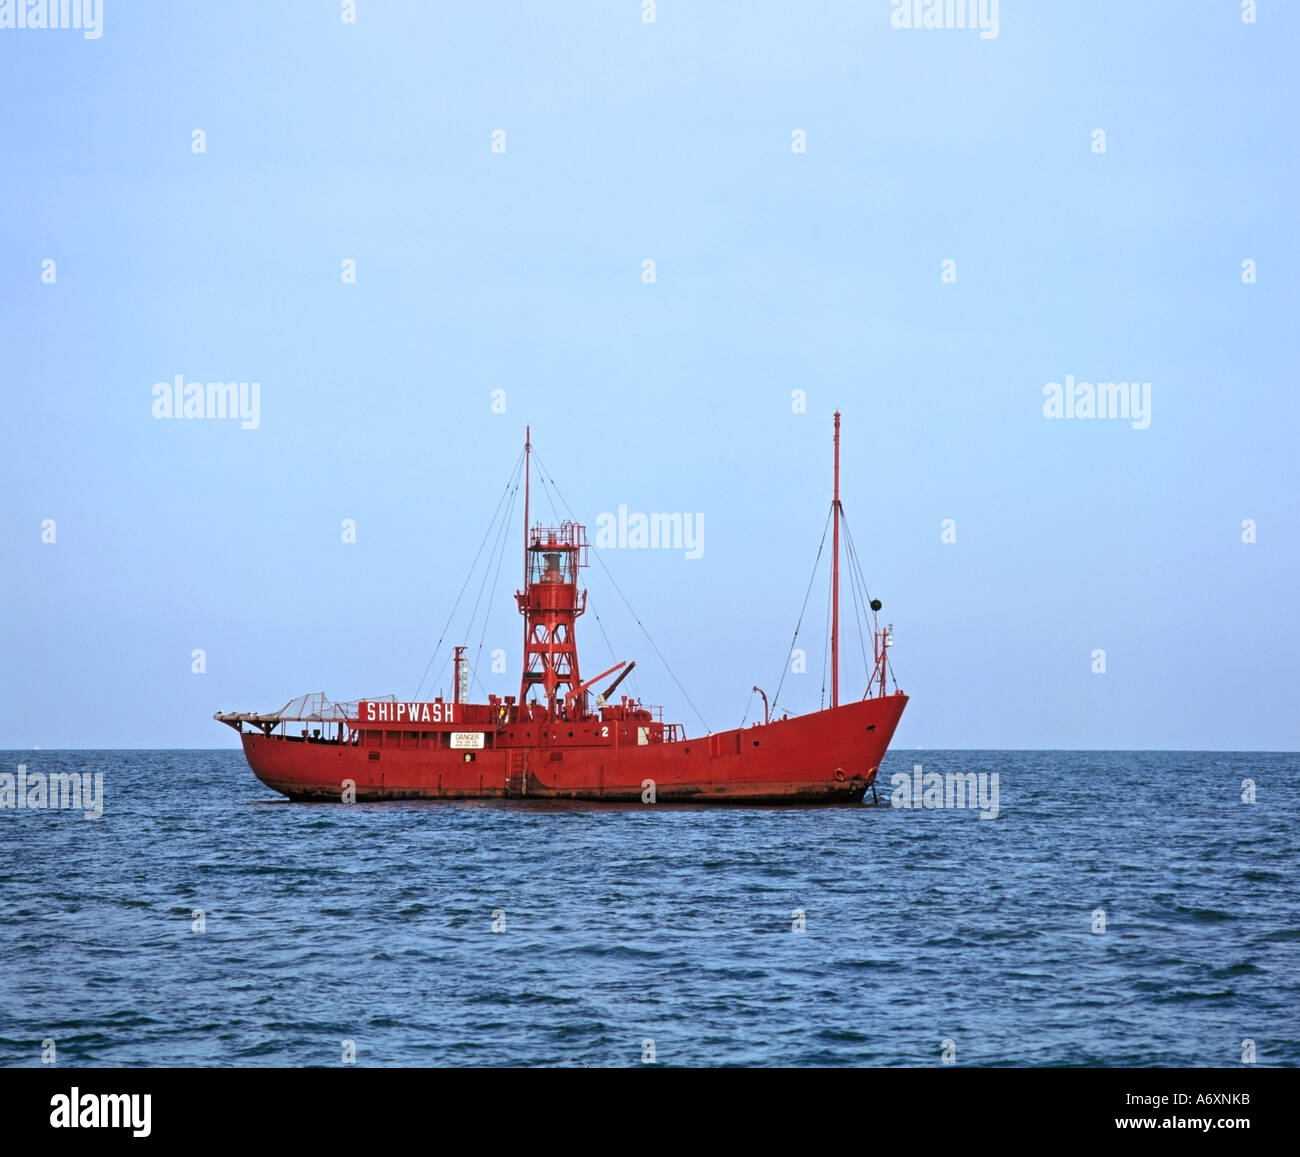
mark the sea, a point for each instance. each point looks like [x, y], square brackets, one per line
[1120, 909]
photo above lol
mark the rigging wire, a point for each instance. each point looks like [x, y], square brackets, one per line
[487, 571]
[860, 608]
[748, 704]
[496, 582]
[631, 611]
[512, 482]
[785, 665]
[889, 664]
[856, 582]
[551, 489]
[826, 651]
[591, 604]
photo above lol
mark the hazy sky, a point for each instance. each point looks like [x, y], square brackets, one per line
[775, 270]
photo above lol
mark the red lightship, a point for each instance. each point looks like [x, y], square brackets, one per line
[553, 742]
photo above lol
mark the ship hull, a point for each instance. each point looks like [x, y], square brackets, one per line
[827, 757]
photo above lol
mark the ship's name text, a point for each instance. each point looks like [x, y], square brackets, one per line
[410, 713]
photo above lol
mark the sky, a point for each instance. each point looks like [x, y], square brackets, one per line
[499, 175]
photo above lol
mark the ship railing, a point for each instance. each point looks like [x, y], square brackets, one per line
[316, 707]
[672, 732]
[319, 707]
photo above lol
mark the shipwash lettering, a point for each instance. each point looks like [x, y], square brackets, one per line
[410, 713]
[102, 1111]
[61, 790]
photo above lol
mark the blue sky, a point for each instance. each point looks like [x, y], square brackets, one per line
[775, 271]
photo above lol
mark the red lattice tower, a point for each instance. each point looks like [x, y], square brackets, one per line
[550, 603]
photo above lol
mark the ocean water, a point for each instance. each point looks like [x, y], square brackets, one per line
[326, 923]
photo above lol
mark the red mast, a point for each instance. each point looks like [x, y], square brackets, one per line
[528, 462]
[528, 475]
[835, 577]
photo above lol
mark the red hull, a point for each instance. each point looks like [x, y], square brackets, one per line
[830, 756]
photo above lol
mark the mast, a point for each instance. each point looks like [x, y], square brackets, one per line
[528, 456]
[460, 686]
[835, 577]
[528, 462]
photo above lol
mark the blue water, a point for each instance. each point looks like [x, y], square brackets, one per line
[373, 923]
